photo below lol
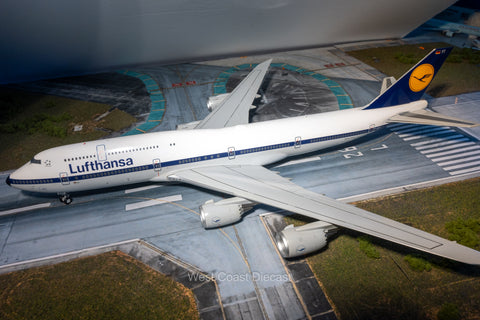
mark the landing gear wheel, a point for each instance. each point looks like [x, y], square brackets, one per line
[66, 199]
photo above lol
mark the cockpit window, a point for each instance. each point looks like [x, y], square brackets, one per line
[36, 161]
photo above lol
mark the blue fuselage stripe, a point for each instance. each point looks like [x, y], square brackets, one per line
[215, 156]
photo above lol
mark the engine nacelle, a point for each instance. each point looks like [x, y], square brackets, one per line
[293, 242]
[187, 126]
[448, 33]
[215, 101]
[223, 212]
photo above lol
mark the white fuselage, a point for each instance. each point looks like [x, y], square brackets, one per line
[156, 156]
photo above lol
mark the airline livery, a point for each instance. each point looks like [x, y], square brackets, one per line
[225, 153]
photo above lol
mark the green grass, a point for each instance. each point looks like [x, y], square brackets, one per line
[459, 74]
[403, 283]
[108, 286]
[30, 123]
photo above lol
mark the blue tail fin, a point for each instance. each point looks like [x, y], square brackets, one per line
[411, 86]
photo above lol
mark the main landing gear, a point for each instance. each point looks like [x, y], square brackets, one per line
[65, 198]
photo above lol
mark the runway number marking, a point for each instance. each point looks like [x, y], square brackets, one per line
[352, 150]
[383, 146]
[350, 155]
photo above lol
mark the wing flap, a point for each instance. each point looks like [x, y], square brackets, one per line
[261, 185]
[431, 118]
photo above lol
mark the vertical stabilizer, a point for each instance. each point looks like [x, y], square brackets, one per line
[412, 85]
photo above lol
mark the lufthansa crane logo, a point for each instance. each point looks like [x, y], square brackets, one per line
[421, 77]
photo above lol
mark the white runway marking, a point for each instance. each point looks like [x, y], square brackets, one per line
[475, 147]
[23, 209]
[440, 144]
[141, 189]
[429, 134]
[453, 152]
[456, 156]
[415, 145]
[458, 145]
[309, 159]
[415, 131]
[153, 202]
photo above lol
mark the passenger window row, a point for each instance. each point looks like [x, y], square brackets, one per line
[93, 156]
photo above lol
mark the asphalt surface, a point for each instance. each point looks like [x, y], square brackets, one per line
[253, 280]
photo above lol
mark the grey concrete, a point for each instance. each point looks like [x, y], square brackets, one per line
[312, 297]
[459, 106]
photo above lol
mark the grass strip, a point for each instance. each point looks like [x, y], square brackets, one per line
[107, 286]
[30, 123]
[401, 283]
[459, 74]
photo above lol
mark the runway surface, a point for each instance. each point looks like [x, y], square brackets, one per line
[252, 278]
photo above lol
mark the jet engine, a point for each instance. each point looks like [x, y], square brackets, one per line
[215, 101]
[296, 241]
[448, 33]
[224, 212]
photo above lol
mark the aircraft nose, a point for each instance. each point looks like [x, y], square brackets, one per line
[8, 181]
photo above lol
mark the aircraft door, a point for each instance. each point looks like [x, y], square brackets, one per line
[298, 142]
[101, 152]
[231, 153]
[157, 165]
[64, 179]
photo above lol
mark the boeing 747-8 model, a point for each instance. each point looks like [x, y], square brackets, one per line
[225, 153]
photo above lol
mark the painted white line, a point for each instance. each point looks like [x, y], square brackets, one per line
[458, 145]
[458, 161]
[443, 143]
[430, 134]
[408, 187]
[413, 131]
[452, 151]
[453, 173]
[141, 189]
[23, 209]
[310, 159]
[410, 129]
[463, 165]
[422, 131]
[436, 140]
[400, 126]
[456, 156]
[153, 202]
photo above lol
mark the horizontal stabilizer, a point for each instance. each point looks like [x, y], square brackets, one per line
[431, 118]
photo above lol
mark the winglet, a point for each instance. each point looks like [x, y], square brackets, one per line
[235, 108]
[411, 86]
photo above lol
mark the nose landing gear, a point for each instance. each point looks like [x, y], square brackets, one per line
[65, 198]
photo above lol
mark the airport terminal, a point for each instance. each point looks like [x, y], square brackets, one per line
[127, 57]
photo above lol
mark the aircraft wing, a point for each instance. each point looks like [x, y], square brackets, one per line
[235, 108]
[261, 185]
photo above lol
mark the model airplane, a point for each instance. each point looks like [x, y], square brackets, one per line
[225, 153]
